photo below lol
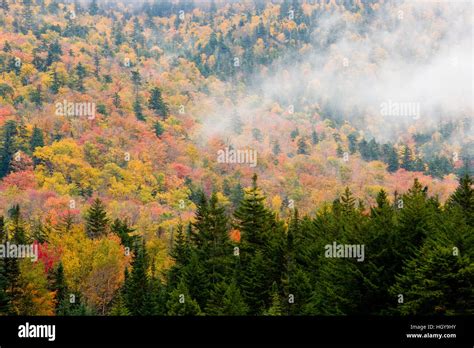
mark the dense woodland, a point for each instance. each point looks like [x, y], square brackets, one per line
[133, 215]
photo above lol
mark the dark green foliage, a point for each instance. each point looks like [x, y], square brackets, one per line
[123, 230]
[302, 147]
[138, 297]
[159, 129]
[96, 220]
[8, 146]
[157, 104]
[37, 139]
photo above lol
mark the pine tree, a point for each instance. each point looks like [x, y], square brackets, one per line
[415, 220]
[116, 100]
[96, 220]
[7, 146]
[81, 73]
[16, 225]
[137, 109]
[233, 302]
[60, 287]
[381, 264]
[157, 104]
[436, 282]
[37, 139]
[181, 253]
[196, 277]
[93, 8]
[159, 129]
[302, 147]
[215, 302]
[253, 220]
[407, 162]
[211, 237]
[137, 284]
[276, 148]
[352, 138]
[392, 160]
[237, 125]
[4, 284]
[119, 308]
[4, 298]
[339, 150]
[56, 83]
[180, 303]
[276, 307]
[314, 137]
[295, 283]
[463, 198]
[122, 229]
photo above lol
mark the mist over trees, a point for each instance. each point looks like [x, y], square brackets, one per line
[358, 198]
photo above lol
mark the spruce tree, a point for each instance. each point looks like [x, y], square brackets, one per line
[96, 220]
[436, 281]
[276, 307]
[119, 307]
[137, 285]
[463, 198]
[233, 302]
[197, 279]
[159, 129]
[60, 287]
[8, 146]
[122, 229]
[138, 111]
[4, 297]
[157, 104]
[81, 73]
[180, 303]
[181, 253]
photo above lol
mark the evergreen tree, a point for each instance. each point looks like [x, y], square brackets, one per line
[436, 282]
[157, 104]
[37, 139]
[96, 220]
[392, 160]
[4, 284]
[159, 129]
[302, 147]
[138, 110]
[276, 148]
[4, 297]
[237, 125]
[181, 303]
[93, 8]
[119, 307]
[352, 137]
[137, 284]
[16, 225]
[314, 138]
[81, 73]
[339, 150]
[116, 100]
[276, 307]
[56, 83]
[233, 302]
[407, 162]
[8, 146]
[197, 279]
[123, 230]
[181, 253]
[463, 198]
[60, 287]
